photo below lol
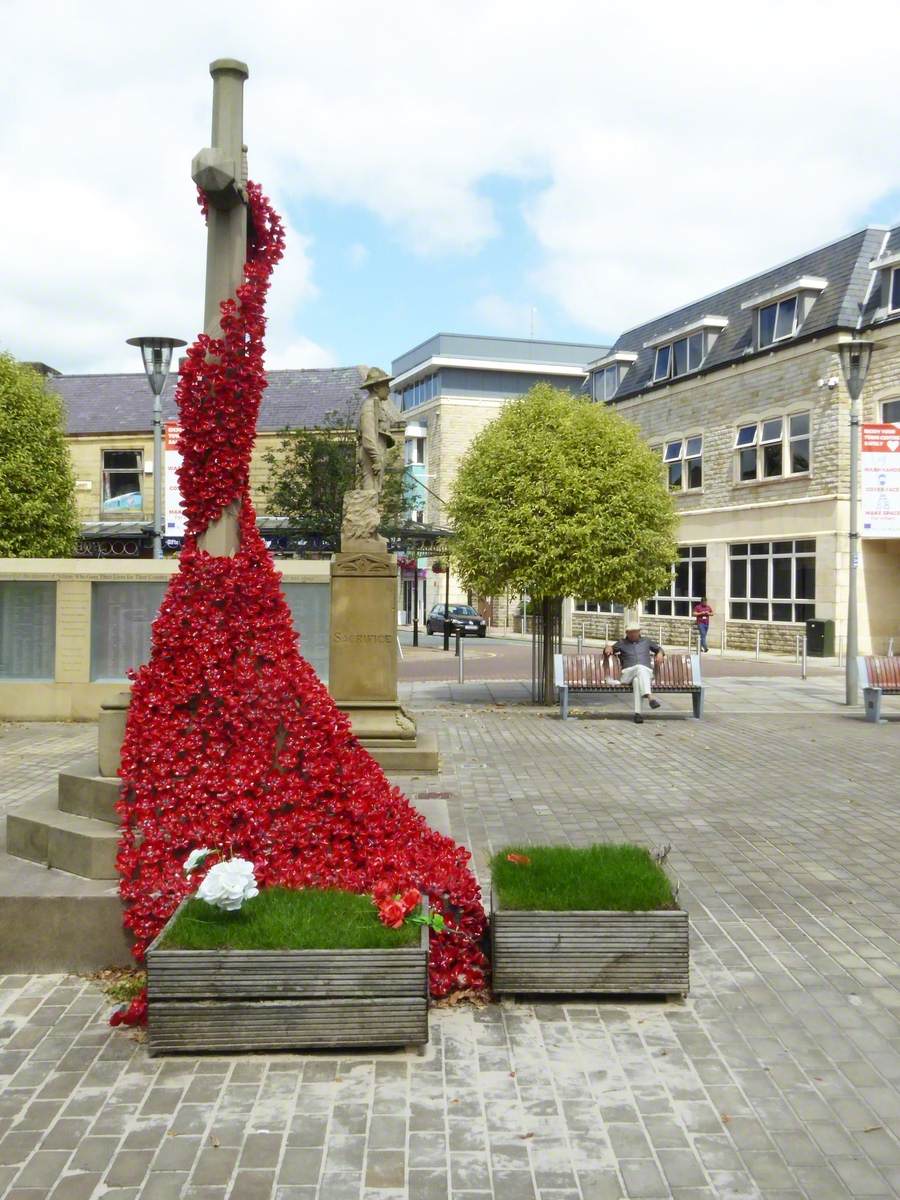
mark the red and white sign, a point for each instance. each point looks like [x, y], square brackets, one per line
[880, 481]
[174, 523]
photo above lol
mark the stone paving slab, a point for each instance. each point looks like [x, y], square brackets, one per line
[778, 1077]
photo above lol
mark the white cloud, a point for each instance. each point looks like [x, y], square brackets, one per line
[496, 314]
[300, 353]
[671, 155]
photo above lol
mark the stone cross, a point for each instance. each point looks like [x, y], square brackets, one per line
[221, 170]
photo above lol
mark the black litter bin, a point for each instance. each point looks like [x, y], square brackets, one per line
[820, 639]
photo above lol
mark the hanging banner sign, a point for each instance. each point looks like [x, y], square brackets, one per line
[174, 527]
[880, 490]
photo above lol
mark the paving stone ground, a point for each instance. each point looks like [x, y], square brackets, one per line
[778, 1078]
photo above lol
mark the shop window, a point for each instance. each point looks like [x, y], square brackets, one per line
[772, 581]
[122, 482]
[687, 585]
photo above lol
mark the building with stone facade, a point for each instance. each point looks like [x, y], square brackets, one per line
[110, 438]
[742, 394]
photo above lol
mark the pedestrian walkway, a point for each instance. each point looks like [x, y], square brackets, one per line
[778, 1078]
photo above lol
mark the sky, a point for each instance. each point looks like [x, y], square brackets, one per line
[491, 167]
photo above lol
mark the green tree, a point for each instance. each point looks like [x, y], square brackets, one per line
[560, 497]
[311, 469]
[38, 518]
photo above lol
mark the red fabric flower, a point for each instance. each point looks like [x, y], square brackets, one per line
[392, 913]
[232, 739]
[382, 890]
[410, 899]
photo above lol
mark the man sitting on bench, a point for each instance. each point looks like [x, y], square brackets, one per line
[637, 655]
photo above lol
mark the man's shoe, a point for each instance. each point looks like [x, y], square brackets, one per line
[638, 719]
[654, 703]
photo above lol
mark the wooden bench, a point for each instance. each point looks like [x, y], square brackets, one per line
[879, 675]
[582, 673]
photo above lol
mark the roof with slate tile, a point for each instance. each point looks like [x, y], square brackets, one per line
[841, 305]
[103, 404]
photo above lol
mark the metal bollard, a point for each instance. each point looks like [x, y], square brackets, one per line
[458, 640]
[462, 661]
[579, 644]
[757, 645]
[797, 649]
[803, 659]
[722, 643]
[890, 647]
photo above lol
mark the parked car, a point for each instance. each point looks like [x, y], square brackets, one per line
[462, 617]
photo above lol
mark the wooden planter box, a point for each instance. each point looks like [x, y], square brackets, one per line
[638, 953]
[226, 1001]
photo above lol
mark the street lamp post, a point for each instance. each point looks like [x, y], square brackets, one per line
[855, 355]
[157, 355]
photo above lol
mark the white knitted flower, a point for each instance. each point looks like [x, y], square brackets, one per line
[196, 859]
[228, 884]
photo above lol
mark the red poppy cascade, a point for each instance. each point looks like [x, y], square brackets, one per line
[232, 739]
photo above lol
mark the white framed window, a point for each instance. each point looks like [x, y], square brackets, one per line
[122, 470]
[421, 391]
[772, 581]
[687, 585]
[890, 412]
[684, 463]
[606, 607]
[894, 296]
[605, 383]
[776, 322]
[679, 357]
[772, 448]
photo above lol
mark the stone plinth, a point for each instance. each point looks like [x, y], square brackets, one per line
[362, 676]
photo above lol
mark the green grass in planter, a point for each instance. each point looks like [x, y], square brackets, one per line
[564, 878]
[287, 919]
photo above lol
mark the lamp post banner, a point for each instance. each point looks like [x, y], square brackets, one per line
[880, 481]
[174, 513]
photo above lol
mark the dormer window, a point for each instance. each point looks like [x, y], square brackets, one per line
[888, 267]
[607, 374]
[684, 350]
[779, 313]
[895, 290]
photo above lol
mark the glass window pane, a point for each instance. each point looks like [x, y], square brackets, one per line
[772, 460]
[738, 548]
[771, 430]
[782, 547]
[739, 611]
[781, 579]
[695, 351]
[121, 460]
[759, 612]
[748, 465]
[664, 608]
[759, 578]
[682, 608]
[760, 547]
[661, 366]
[895, 288]
[684, 552]
[805, 588]
[800, 425]
[738, 577]
[682, 578]
[805, 546]
[698, 579]
[746, 436]
[673, 452]
[121, 617]
[804, 612]
[695, 472]
[784, 324]
[675, 475]
[693, 447]
[782, 612]
[611, 381]
[890, 412]
[799, 456]
[767, 324]
[27, 629]
[650, 607]
[679, 351]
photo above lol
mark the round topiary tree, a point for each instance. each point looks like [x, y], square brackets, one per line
[560, 497]
[37, 487]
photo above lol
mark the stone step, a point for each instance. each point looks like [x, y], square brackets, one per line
[85, 794]
[40, 832]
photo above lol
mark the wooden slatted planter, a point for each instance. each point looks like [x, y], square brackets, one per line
[228, 1001]
[594, 953]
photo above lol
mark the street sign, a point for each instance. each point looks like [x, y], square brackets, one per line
[174, 516]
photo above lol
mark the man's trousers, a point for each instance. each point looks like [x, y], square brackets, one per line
[640, 679]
